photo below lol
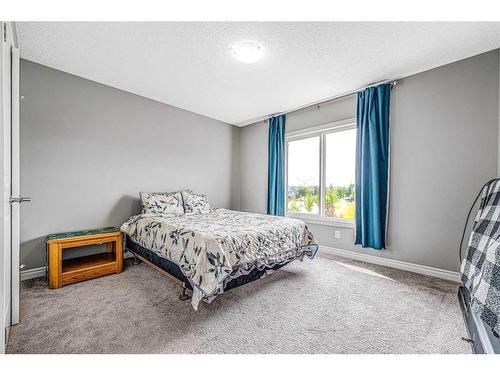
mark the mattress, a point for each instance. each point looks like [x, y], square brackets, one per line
[175, 271]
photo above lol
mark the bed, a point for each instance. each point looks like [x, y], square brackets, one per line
[216, 250]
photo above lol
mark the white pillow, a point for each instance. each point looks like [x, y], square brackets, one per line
[162, 203]
[195, 203]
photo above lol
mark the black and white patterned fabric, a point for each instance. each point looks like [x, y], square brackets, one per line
[162, 203]
[480, 271]
[209, 247]
[195, 203]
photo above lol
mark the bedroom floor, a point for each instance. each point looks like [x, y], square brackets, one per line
[329, 305]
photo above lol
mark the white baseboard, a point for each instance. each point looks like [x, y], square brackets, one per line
[405, 266]
[33, 273]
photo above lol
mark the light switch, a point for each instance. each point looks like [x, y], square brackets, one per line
[337, 234]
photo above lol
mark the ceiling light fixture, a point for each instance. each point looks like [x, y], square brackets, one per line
[248, 52]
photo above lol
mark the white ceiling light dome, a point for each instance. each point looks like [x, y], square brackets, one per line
[248, 52]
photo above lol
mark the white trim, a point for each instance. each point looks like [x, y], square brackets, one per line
[322, 173]
[33, 273]
[15, 187]
[335, 126]
[315, 219]
[398, 264]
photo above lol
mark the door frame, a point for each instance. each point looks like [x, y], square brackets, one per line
[7, 41]
[15, 221]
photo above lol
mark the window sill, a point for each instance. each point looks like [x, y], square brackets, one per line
[341, 223]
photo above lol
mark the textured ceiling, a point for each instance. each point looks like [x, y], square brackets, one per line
[189, 65]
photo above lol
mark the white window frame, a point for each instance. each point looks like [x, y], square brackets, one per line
[321, 131]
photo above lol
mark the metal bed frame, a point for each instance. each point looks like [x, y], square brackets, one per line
[173, 273]
[183, 296]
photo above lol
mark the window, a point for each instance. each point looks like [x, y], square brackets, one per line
[320, 173]
[303, 175]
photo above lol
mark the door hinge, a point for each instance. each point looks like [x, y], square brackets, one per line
[4, 32]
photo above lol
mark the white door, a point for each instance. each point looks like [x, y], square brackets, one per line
[15, 188]
[9, 165]
[5, 272]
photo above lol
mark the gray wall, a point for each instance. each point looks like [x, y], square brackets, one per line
[444, 131]
[88, 149]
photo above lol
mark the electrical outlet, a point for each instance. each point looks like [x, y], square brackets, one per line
[337, 234]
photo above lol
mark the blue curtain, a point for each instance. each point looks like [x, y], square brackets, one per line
[372, 166]
[276, 167]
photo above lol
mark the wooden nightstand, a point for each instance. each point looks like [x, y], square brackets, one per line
[64, 272]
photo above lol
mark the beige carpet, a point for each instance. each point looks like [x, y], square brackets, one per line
[328, 305]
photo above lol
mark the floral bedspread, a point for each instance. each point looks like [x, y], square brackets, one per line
[208, 247]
